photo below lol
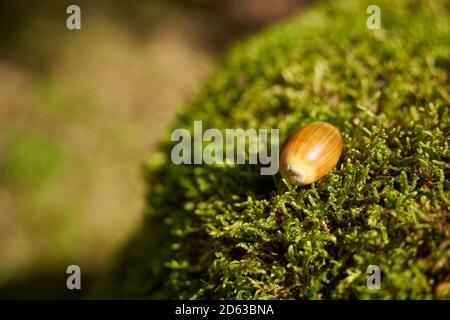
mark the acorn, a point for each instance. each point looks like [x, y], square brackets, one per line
[310, 153]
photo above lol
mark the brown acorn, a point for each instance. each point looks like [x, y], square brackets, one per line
[310, 153]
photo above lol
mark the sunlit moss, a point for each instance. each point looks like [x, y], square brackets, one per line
[228, 232]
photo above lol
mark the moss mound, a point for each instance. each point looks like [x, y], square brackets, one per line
[228, 232]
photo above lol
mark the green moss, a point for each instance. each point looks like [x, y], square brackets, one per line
[228, 232]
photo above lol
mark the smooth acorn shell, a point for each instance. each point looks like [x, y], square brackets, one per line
[310, 153]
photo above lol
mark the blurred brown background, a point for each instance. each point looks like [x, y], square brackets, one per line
[81, 110]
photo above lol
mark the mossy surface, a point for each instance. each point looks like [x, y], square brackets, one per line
[228, 232]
